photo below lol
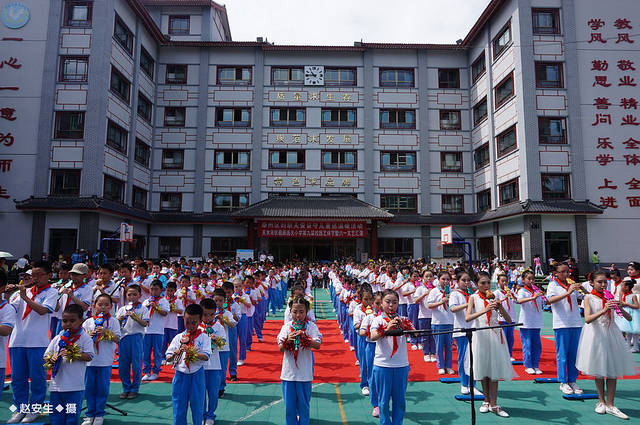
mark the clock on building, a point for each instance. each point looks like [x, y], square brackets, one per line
[314, 75]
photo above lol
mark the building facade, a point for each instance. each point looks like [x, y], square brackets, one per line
[523, 136]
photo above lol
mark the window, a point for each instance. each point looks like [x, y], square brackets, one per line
[172, 159]
[546, 21]
[339, 160]
[483, 200]
[231, 160]
[225, 248]
[147, 64]
[504, 91]
[555, 186]
[69, 125]
[478, 68]
[233, 117]
[502, 41]
[230, 201]
[395, 248]
[117, 137]
[450, 120]
[65, 182]
[113, 189]
[170, 201]
[338, 117]
[553, 131]
[452, 204]
[506, 141]
[449, 78]
[396, 78]
[512, 247]
[398, 161]
[286, 75]
[286, 159]
[73, 69]
[399, 203]
[176, 74]
[169, 247]
[78, 14]
[509, 192]
[339, 77]
[397, 118]
[142, 153]
[174, 116]
[234, 75]
[451, 162]
[179, 25]
[288, 117]
[123, 35]
[480, 111]
[145, 108]
[485, 247]
[481, 156]
[120, 86]
[549, 75]
[139, 198]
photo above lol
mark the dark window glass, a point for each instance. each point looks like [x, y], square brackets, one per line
[399, 203]
[123, 35]
[288, 117]
[145, 108]
[230, 201]
[286, 75]
[396, 78]
[478, 68]
[170, 201]
[480, 111]
[120, 86]
[481, 156]
[69, 125]
[139, 198]
[117, 137]
[398, 161]
[78, 13]
[73, 69]
[234, 75]
[546, 21]
[549, 75]
[113, 189]
[172, 159]
[484, 200]
[555, 186]
[395, 248]
[233, 117]
[449, 78]
[176, 74]
[397, 118]
[502, 41]
[339, 160]
[142, 153]
[339, 76]
[504, 91]
[174, 116]
[65, 182]
[553, 131]
[286, 159]
[179, 25]
[338, 117]
[512, 247]
[452, 204]
[169, 247]
[509, 192]
[451, 162]
[506, 141]
[231, 160]
[147, 63]
[450, 120]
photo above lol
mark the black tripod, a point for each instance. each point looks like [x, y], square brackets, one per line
[469, 334]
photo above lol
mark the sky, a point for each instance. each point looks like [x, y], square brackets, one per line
[341, 22]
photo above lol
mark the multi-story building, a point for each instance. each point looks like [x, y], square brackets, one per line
[146, 111]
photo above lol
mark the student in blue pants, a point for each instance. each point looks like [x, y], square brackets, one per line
[232, 335]
[531, 303]
[370, 351]
[442, 320]
[213, 327]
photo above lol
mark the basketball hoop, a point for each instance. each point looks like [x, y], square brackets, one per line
[446, 235]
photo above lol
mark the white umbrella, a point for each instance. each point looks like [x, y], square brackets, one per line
[5, 254]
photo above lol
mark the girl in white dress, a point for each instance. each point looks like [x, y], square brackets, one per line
[602, 351]
[629, 302]
[492, 361]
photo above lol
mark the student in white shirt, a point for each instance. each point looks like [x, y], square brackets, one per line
[78, 293]
[458, 301]
[105, 333]
[158, 308]
[188, 385]
[505, 293]
[442, 320]
[67, 376]
[425, 315]
[133, 318]
[531, 303]
[212, 369]
[227, 319]
[295, 340]
[7, 323]
[244, 301]
[171, 321]
[30, 338]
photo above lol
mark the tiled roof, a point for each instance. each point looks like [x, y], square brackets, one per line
[313, 206]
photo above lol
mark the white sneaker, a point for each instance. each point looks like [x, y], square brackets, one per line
[565, 388]
[87, 421]
[414, 347]
[346, 340]
[464, 390]
[601, 408]
[153, 377]
[240, 362]
[498, 411]
[357, 363]
[575, 388]
[427, 359]
[484, 408]
[208, 422]
[99, 420]
[352, 348]
[477, 392]
[365, 391]
[30, 417]
[613, 410]
[538, 371]
[440, 371]
[420, 346]
[146, 377]
[433, 358]
[16, 418]
[512, 359]
[530, 371]
[450, 372]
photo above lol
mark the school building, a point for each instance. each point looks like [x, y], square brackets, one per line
[523, 135]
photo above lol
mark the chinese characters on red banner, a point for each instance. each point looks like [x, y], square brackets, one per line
[307, 229]
[612, 152]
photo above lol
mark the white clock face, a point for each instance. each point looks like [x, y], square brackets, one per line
[314, 75]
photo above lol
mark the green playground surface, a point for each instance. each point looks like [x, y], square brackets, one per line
[342, 403]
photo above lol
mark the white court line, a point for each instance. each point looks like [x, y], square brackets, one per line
[268, 406]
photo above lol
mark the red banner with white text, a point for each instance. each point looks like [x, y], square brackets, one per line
[311, 229]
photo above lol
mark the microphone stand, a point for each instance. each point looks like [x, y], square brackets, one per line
[469, 334]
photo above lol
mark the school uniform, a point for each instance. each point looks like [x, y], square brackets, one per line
[532, 321]
[256, 300]
[358, 316]
[67, 386]
[403, 302]
[82, 292]
[225, 352]
[145, 286]
[130, 350]
[27, 344]
[296, 376]
[458, 298]
[510, 306]
[390, 374]
[98, 374]
[154, 333]
[7, 318]
[441, 320]
[567, 326]
[212, 372]
[412, 307]
[188, 385]
[424, 321]
[370, 351]
[171, 322]
[187, 296]
[243, 324]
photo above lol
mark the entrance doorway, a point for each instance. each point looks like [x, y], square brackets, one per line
[62, 241]
[313, 249]
[557, 245]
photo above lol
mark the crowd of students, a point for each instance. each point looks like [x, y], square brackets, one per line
[201, 318]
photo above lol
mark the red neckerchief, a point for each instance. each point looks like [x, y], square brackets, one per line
[395, 338]
[171, 300]
[105, 324]
[73, 289]
[466, 294]
[70, 341]
[192, 338]
[296, 342]
[530, 291]
[3, 303]
[507, 298]
[34, 293]
[152, 300]
[364, 309]
[604, 302]
[444, 305]
[616, 284]
[624, 297]
[566, 288]
[486, 303]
